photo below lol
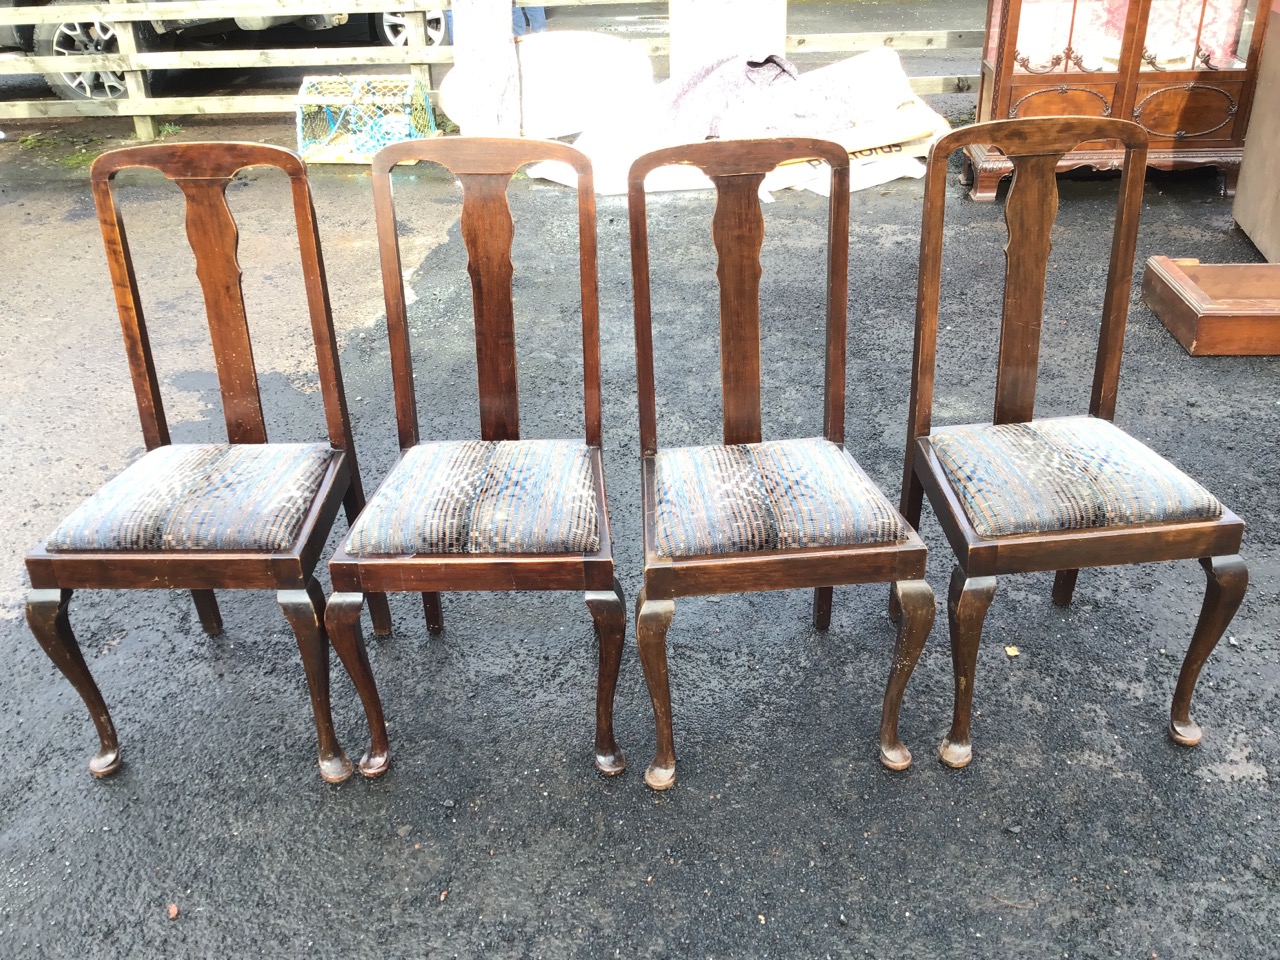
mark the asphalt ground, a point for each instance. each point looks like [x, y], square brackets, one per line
[1079, 830]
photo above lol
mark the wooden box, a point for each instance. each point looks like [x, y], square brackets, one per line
[1216, 309]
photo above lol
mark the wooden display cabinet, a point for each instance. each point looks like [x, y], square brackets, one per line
[1183, 69]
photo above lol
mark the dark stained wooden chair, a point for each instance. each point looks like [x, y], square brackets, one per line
[750, 515]
[247, 514]
[1022, 494]
[501, 512]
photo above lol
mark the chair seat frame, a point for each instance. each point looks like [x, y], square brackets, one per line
[1102, 546]
[497, 572]
[669, 578]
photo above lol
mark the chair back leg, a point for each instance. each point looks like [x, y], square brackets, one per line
[434, 612]
[822, 607]
[207, 609]
[1064, 587]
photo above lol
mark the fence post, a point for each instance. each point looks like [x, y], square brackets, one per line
[415, 27]
[136, 86]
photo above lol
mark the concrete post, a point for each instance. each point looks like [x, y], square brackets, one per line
[485, 63]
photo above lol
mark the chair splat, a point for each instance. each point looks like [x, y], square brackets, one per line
[214, 239]
[488, 232]
[737, 229]
[1029, 213]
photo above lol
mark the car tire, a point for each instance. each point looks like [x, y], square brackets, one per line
[92, 36]
[388, 29]
[17, 36]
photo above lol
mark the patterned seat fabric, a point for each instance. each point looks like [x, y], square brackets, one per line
[778, 495]
[477, 496]
[1069, 473]
[201, 497]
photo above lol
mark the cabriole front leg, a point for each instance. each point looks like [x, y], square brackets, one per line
[47, 617]
[609, 615]
[916, 601]
[967, 604]
[653, 619]
[343, 621]
[304, 610]
[1228, 577]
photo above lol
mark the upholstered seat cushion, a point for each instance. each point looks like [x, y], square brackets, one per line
[778, 495]
[490, 497]
[201, 497]
[1070, 473]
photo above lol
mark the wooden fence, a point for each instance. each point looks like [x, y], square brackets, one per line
[415, 56]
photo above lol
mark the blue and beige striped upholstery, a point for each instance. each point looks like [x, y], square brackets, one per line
[1070, 473]
[477, 496]
[201, 497]
[778, 495]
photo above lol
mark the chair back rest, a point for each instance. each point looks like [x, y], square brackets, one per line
[203, 171]
[737, 168]
[484, 166]
[1034, 146]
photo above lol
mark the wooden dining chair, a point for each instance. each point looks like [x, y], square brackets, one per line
[500, 512]
[247, 514]
[1022, 494]
[750, 514]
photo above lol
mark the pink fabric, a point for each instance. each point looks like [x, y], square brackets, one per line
[1221, 29]
[1046, 31]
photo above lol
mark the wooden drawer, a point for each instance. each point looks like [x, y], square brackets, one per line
[1188, 111]
[1061, 100]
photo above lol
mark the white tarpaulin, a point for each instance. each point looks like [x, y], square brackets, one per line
[864, 103]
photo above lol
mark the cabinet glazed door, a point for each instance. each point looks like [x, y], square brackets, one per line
[1068, 58]
[1194, 67]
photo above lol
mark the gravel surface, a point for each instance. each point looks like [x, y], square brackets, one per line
[1080, 830]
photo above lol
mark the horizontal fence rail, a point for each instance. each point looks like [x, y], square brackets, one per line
[416, 56]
